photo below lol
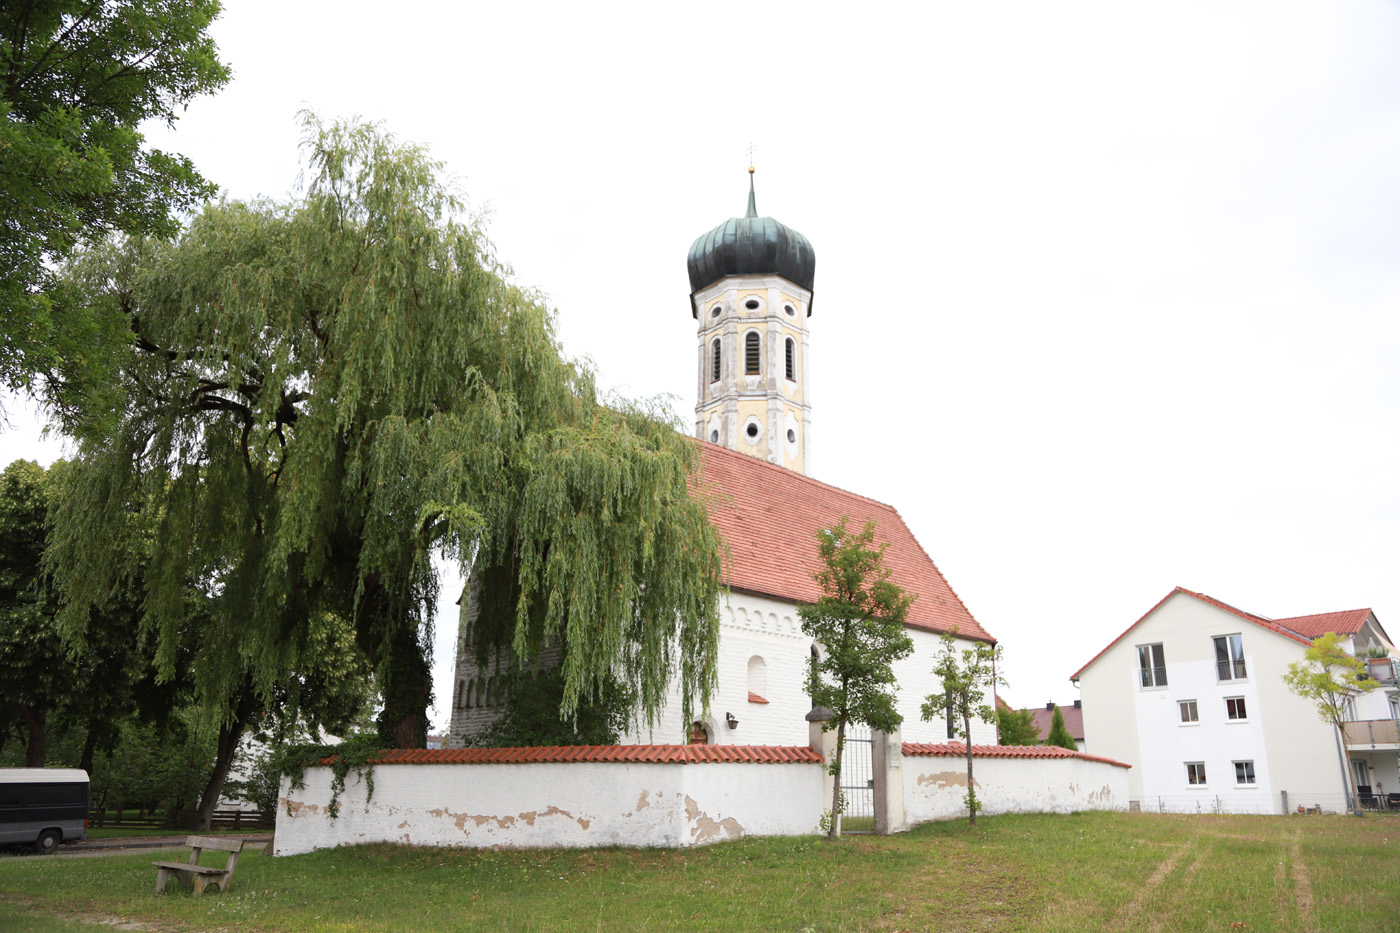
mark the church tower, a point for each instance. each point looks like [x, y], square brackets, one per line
[751, 295]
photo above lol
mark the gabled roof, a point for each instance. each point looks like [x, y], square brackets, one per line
[1261, 621]
[770, 517]
[1074, 721]
[1348, 622]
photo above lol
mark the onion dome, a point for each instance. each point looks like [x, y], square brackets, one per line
[751, 245]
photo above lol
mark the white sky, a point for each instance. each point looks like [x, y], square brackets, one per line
[1106, 296]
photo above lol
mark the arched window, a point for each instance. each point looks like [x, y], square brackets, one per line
[753, 355]
[715, 359]
[790, 352]
[758, 680]
[471, 694]
[461, 694]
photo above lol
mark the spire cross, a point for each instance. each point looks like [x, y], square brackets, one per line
[752, 148]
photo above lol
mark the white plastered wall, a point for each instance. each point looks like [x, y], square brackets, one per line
[574, 805]
[934, 787]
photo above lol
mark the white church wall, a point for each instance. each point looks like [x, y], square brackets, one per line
[934, 786]
[917, 681]
[571, 805]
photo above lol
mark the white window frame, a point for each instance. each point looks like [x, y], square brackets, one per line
[1201, 765]
[1234, 663]
[1155, 670]
[1243, 706]
[1181, 707]
[1248, 764]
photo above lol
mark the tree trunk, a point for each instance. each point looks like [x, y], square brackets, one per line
[403, 723]
[229, 735]
[89, 751]
[971, 794]
[37, 721]
[836, 789]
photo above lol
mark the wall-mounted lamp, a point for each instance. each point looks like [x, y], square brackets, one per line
[730, 721]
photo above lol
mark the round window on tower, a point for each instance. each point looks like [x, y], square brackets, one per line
[752, 430]
[789, 310]
[792, 436]
[714, 312]
[714, 437]
[753, 303]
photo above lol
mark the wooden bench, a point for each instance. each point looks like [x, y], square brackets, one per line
[200, 876]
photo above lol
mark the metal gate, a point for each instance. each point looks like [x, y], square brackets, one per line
[858, 781]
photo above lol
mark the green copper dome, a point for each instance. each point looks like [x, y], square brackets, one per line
[751, 245]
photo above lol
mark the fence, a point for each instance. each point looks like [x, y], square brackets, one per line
[220, 819]
[1284, 802]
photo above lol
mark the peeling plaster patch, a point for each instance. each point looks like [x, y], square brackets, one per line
[958, 778]
[1104, 793]
[529, 817]
[403, 825]
[707, 829]
[642, 802]
[295, 808]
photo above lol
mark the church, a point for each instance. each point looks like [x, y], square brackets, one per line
[751, 286]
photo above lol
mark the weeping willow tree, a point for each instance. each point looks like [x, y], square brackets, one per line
[320, 395]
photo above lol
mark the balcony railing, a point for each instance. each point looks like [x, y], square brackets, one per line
[1370, 732]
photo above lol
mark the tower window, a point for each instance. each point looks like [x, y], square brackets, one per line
[715, 360]
[789, 311]
[752, 430]
[792, 436]
[752, 304]
[752, 353]
[790, 348]
[714, 312]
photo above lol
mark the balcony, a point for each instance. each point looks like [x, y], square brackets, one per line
[1383, 670]
[1371, 733]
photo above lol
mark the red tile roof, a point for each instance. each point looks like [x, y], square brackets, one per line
[662, 754]
[1269, 624]
[959, 750]
[1074, 721]
[1315, 626]
[755, 698]
[770, 517]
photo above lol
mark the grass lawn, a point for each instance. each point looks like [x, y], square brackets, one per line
[1085, 872]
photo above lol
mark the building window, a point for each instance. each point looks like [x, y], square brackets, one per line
[1244, 772]
[715, 360]
[1229, 657]
[1152, 665]
[1196, 773]
[753, 304]
[790, 352]
[1234, 708]
[1188, 711]
[752, 353]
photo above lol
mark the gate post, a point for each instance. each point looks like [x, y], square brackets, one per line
[824, 744]
[887, 758]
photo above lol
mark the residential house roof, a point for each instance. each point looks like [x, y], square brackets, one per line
[1263, 622]
[1348, 622]
[770, 517]
[1074, 721]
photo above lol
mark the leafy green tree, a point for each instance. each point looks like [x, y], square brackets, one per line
[859, 623]
[967, 682]
[320, 395]
[1331, 678]
[1059, 732]
[77, 79]
[1016, 727]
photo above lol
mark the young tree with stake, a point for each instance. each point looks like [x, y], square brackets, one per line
[1331, 678]
[966, 683]
[859, 622]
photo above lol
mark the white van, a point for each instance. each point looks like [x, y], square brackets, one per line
[43, 807]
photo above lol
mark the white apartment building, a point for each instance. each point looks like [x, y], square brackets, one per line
[1192, 696]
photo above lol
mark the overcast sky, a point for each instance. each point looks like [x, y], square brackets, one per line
[1106, 295]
